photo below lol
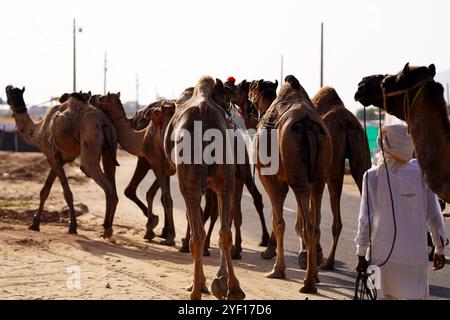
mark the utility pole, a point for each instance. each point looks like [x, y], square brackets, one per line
[282, 70]
[321, 55]
[75, 30]
[104, 74]
[137, 92]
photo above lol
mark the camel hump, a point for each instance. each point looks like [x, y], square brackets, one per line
[327, 97]
[205, 86]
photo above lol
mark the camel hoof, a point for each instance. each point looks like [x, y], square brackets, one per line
[219, 288]
[195, 296]
[303, 259]
[206, 252]
[34, 227]
[153, 223]
[107, 233]
[164, 234]
[168, 242]
[276, 275]
[308, 289]
[236, 253]
[73, 229]
[184, 249]
[264, 241]
[269, 253]
[327, 266]
[149, 235]
[236, 294]
[204, 288]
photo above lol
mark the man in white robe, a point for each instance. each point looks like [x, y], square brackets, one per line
[405, 274]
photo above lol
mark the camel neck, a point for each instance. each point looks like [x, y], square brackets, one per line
[27, 128]
[130, 139]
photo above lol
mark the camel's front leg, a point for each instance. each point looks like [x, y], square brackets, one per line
[45, 191]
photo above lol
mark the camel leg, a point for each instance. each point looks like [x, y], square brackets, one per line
[271, 250]
[153, 219]
[212, 213]
[335, 190]
[277, 192]
[58, 169]
[142, 167]
[237, 220]
[109, 187]
[166, 198]
[226, 273]
[259, 206]
[45, 191]
[187, 238]
[193, 200]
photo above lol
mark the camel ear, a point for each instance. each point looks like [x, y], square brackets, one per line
[406, 69]
[260, 84]
[118, 94]
[276, 84]
[432, 68]
[23, 89]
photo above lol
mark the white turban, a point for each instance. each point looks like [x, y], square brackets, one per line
[397, 144]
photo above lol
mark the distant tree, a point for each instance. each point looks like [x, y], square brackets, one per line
[372, 113]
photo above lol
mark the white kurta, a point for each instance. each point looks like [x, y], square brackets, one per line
[405, 275]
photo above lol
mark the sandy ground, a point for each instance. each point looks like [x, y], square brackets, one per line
[35, 265]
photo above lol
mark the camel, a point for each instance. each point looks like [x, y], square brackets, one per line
[413, 96]
[205, 106]
[304, 146]
[67, 131]
[146, 144]
[349, 141]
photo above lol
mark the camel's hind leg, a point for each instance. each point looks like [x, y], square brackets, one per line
[142, 167]
[335, 190]
[35, 226]
[258, 203]
[226, 270]
[277, 192]
[153, 219]
[109, 186]
[237, 220]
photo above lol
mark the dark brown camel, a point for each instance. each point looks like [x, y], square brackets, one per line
[146, 144]
[304, 155]
[195, 177]
[66, 132]
[413, 96]
[349, 141]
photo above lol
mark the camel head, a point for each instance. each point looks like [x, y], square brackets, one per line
[162, 114]
[262, 94]
[15, 99]
[246, 107]
[222, 94]
[81, 96]
[369, 91]
[185, 96]
[112, 106]
[408, 78]
[94, 101]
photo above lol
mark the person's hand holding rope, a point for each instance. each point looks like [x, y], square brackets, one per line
[438, 261]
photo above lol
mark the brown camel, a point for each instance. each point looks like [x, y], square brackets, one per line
[146, 144]
[196, 176]
[349, 141]
[66, 132]
[304, 152]
[412, 95]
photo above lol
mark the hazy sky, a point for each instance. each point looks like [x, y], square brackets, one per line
[171, 43]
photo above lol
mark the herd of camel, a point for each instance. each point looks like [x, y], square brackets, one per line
[315, 137]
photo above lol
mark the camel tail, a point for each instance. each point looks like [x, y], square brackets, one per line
[110, 143]
[358, 153]
[311, 132]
